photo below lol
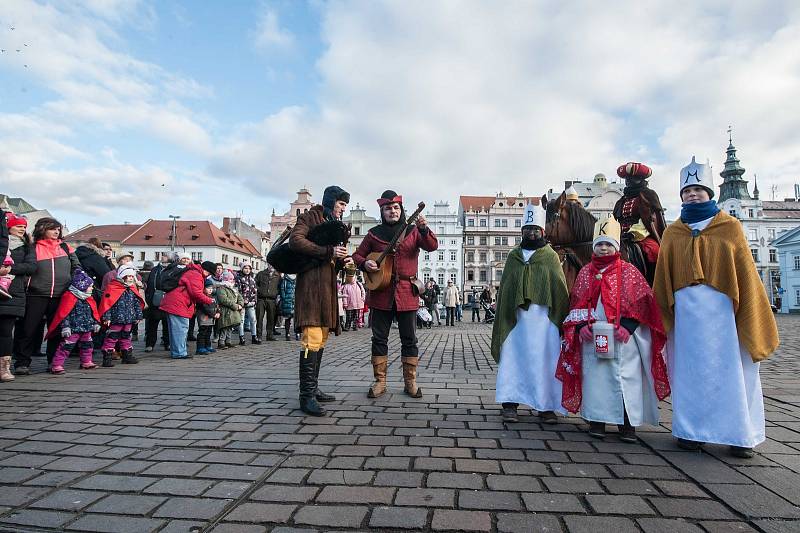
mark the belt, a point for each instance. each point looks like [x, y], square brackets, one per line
[407, 278]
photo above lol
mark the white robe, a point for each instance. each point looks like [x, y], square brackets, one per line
[528, 360]
[607, 383]
[716, 388]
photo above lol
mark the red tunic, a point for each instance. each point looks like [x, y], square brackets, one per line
[65, 305]
[406, 258]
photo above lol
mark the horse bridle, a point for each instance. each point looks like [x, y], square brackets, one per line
[568, 255]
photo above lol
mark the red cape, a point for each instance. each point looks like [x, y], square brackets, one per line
[67, 303]
[112, 293]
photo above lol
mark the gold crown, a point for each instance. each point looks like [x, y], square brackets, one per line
[608, 227]
[572, 194]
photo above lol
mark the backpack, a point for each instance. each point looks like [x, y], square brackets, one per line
[169, 278]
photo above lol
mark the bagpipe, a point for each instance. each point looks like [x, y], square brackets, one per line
[285, 260]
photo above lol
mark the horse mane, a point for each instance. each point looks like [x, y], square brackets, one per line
[581, 221]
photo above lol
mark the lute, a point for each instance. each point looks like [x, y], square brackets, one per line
[382, 278]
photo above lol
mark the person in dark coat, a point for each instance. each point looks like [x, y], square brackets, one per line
[13, 309]
[267, 291]
[316, 300]
[55, 262]
[153, 314]
[400, 300]
[94, 263]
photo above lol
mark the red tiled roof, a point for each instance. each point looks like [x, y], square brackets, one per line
[786, 209]
[193, 233]
[485, 202]
[107, 232]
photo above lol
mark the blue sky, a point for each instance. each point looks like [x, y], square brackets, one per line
[131, 109]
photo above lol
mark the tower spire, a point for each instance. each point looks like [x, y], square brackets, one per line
[755, 186]
[733, 185]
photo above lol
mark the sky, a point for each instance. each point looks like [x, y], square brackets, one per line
[123, 110]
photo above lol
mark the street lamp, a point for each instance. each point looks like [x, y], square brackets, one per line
[174, 236]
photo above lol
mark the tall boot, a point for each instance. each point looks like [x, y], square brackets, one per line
[286, 324]
[128, 357]
[410, 376]
[379, 364]
[108, 358]
[318, 394]
[5, 369]
[308, 384]
[256, 340]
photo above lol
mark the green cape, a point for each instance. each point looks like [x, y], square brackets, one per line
[540, 282]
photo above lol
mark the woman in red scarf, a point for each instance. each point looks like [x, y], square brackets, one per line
[611, 365]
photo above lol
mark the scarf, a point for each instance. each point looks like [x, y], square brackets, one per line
[691, 213]
[15, 242]
[80, 295]
[631, 191]
[533, 244]
[386, 232]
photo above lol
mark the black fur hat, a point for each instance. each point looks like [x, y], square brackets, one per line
[332, 194]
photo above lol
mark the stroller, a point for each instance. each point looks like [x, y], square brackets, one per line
[488, 311]
[424, 318]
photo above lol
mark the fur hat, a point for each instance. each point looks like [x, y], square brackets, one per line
[81, 280]
[126, 270]
[332, 194]
[209, 266]
[14, 220]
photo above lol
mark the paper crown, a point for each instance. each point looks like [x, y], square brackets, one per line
[607, 230]
[571, 193]
[533, 216]
[697, 174]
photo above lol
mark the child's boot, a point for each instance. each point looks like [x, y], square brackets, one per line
[128, 357]
[241, 340]
[5, 369]
[108, 358]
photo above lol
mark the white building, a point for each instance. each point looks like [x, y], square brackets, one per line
[598, 196]
[788, 247]
[445, 264]
[361, 223]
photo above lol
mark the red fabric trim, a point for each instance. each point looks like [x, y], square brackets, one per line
[112, 294]
[396, 200]
[625, 294]
[65, 305]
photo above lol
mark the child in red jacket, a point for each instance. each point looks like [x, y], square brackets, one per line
[121, 307]
[75, 320]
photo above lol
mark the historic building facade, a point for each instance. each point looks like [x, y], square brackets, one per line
[278, 223]
[598, 196]
[361, 223]
[446, 263]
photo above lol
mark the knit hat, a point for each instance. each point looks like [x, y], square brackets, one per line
[697, 174]
[208, 282]
[14, 220]
[81, 280]
[126, 270]
[209, 266]
[121, 257]
[332, 194]
[244, 264]
[184, 255]
[228, 276]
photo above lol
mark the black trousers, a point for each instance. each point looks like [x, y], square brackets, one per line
[451, 316]
[7, 334]
[476, 313]
[204, 336]
[192, 322]
[382, 323]
[39, 311]
[269, 307]
[155, 316]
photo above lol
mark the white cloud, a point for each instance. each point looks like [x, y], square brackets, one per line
[269, 34]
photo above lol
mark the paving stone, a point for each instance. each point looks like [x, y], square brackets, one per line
[399, 517]
[614, 504]
[340, 477]
[488, 500]
[684, 508]
[129, 504]
[571, 485]
[54, 479]
[425, 497]
[105, 523]
[754, 501]
[552, 503]
[261, 512]
[179, 487]
[285, 493]
[227, 527]
[629, 486]
[68, 500]
[705, 469]
[666, 525]
[779, 480]
[455, 481]
[199, 508]
[593, 524]
[36, 518]
[244, 473]
[332, 516]
[533, 523]
[115, 483]
[174, 468]
[524, 468]
[227, 489]
[444, 520]
[680, 489]
[477, 465]
[392, 478]
[433, 463]
[336, 494]
[77, 464]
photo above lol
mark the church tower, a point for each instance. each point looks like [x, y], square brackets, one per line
[733, 186]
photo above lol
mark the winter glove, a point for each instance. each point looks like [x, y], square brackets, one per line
[585, 334]
[66, 332]
[622, 335]
[96, 328]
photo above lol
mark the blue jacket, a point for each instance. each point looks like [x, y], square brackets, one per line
[286, 292]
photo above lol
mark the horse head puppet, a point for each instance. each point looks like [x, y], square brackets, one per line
[569, 229]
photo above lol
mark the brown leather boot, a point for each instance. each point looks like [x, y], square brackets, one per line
[379, 364]
[410, 377]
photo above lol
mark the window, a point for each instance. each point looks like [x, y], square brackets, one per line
[733, 212]
[797, 297]
[426, 276]
[453, 242]
[441, 255]
[470, 257]
[517, 240]
[483, 241]
[235, 261]
[482, 275]
[441, 230]
[504, 222]
[197, 256]
[750, 213]
[440, 278]
[517, 223]
[224, 259]
[773, 255]
[497, 241]
[298, 212]
[753, 234]
[471, 240]
[483, 257]
[797, 262]
[771, 233]
[156, 256]
[498, 274]
[357, 230]
[471, 222]
[504, 241]
[427, 256]
[452, 255]
[470, 275]
[141, 256]
[754, 252]
[498, 256]
[483, 223]
[453, 277]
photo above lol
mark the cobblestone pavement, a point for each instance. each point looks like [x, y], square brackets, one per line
[217, 444]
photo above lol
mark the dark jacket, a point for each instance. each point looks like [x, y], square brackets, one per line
[3, 234]
[267, 283]
[94, 262]
[54, 269]
[286, 292]
[316, 299]
[150, 284]
[24, 266]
